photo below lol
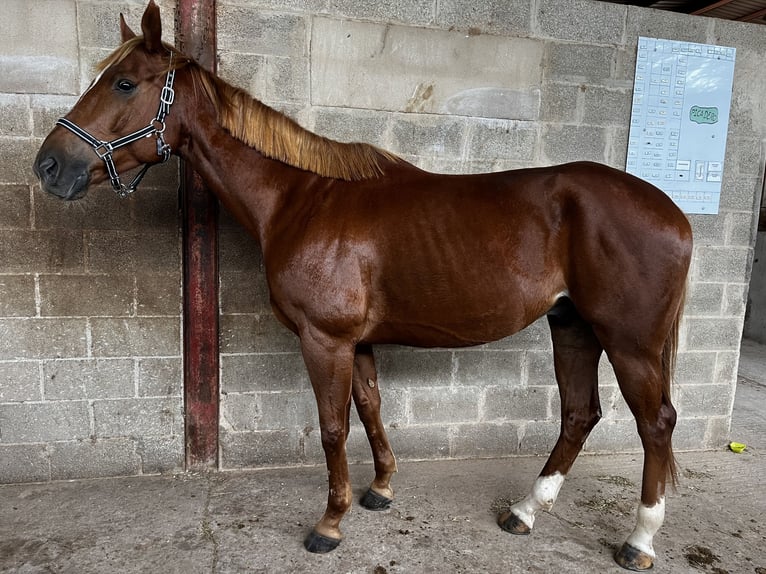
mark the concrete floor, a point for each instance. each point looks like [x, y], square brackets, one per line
[443, 519]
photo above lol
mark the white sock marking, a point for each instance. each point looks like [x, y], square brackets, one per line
[648, 522]
[544, 492]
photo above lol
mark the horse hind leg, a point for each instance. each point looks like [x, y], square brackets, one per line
[576, 354]
[644, 382]
[366, 394]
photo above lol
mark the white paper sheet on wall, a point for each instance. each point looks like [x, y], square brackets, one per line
[679, 120]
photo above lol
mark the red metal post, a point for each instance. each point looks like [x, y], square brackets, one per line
[196, 36]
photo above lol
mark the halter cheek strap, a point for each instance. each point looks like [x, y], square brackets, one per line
[156, 128]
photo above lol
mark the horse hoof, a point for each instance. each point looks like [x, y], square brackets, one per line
[319, 544]
[632, 558]
[509, 522]
[374, 501]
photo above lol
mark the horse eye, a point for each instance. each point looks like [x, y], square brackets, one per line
[125, 86]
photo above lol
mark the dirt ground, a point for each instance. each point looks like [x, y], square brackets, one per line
[443, 519]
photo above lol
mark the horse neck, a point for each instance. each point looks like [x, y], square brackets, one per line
[252, 187]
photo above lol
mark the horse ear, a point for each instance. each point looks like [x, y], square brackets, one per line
[125, 32]
[152, 27]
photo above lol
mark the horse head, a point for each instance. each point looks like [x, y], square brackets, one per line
[113, 126]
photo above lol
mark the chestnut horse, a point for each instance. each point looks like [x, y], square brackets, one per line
[362, 248]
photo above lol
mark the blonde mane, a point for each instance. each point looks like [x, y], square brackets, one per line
[278, 137]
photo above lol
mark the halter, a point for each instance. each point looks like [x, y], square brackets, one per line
[155, 128]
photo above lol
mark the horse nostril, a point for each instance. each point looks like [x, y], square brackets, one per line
[48, 169]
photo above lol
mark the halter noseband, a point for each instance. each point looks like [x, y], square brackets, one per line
[155, 128]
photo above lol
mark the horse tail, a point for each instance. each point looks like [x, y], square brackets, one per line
[669, 354]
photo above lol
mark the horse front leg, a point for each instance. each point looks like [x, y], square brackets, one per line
[330, 365]
[366, 395]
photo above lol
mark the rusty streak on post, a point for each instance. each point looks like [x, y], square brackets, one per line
[196, 37]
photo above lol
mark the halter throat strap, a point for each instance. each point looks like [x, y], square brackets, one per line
[155, 128]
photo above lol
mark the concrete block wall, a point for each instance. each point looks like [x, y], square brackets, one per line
[90, 350]
[90, 363]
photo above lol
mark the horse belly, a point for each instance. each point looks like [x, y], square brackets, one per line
[429, 305]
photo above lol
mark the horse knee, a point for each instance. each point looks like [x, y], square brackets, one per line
[333, 438]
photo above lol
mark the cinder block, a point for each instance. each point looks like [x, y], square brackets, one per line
[744, 155]
[741, 193]
[735, 300]
[564, 143]
[349, 125]
[704, 299]
[444, 405]
[400, 367]
[158, 294]
[270, 79]
[502, 139]
[711, 334]
[240, 412]
[614, 435]
[161, 455]
[150, 417]
[14, 115]
[726, 366]
[252, 30]
[613, 405]
[86, 295]
[136, 337]
[741, 229]
[99, 25]
[44, 422]
[690, 434]
[716, 433]
[18, 155]
[427, 135]
[16, 213]
[94, 458]
[482, 368]
[24, 463]
[397, 68]
[665, 24]
[160, 377]
[131, 251]
[263, 372]
[502, 17]
[46, 109]
[518, 403]
[20, 381]
[239, 252]
[581, 21]
[420, 442]
[538, 437]
[540, 369]
[704, 400]
[88, 379]
[258, 449]
[606, 107]
[244, 292]
[695, 368]
[725, 264]
[17, 296]
[105, 211]
[708, 230]
[419, 12]
[40, 251]
[579, 63]
[484, 440]
[560, 103]
[261, 333]
[286, 410]
[34, 338]
[39, 57]
[156, 206]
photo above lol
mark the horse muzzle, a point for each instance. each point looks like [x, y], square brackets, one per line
[64, 177]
